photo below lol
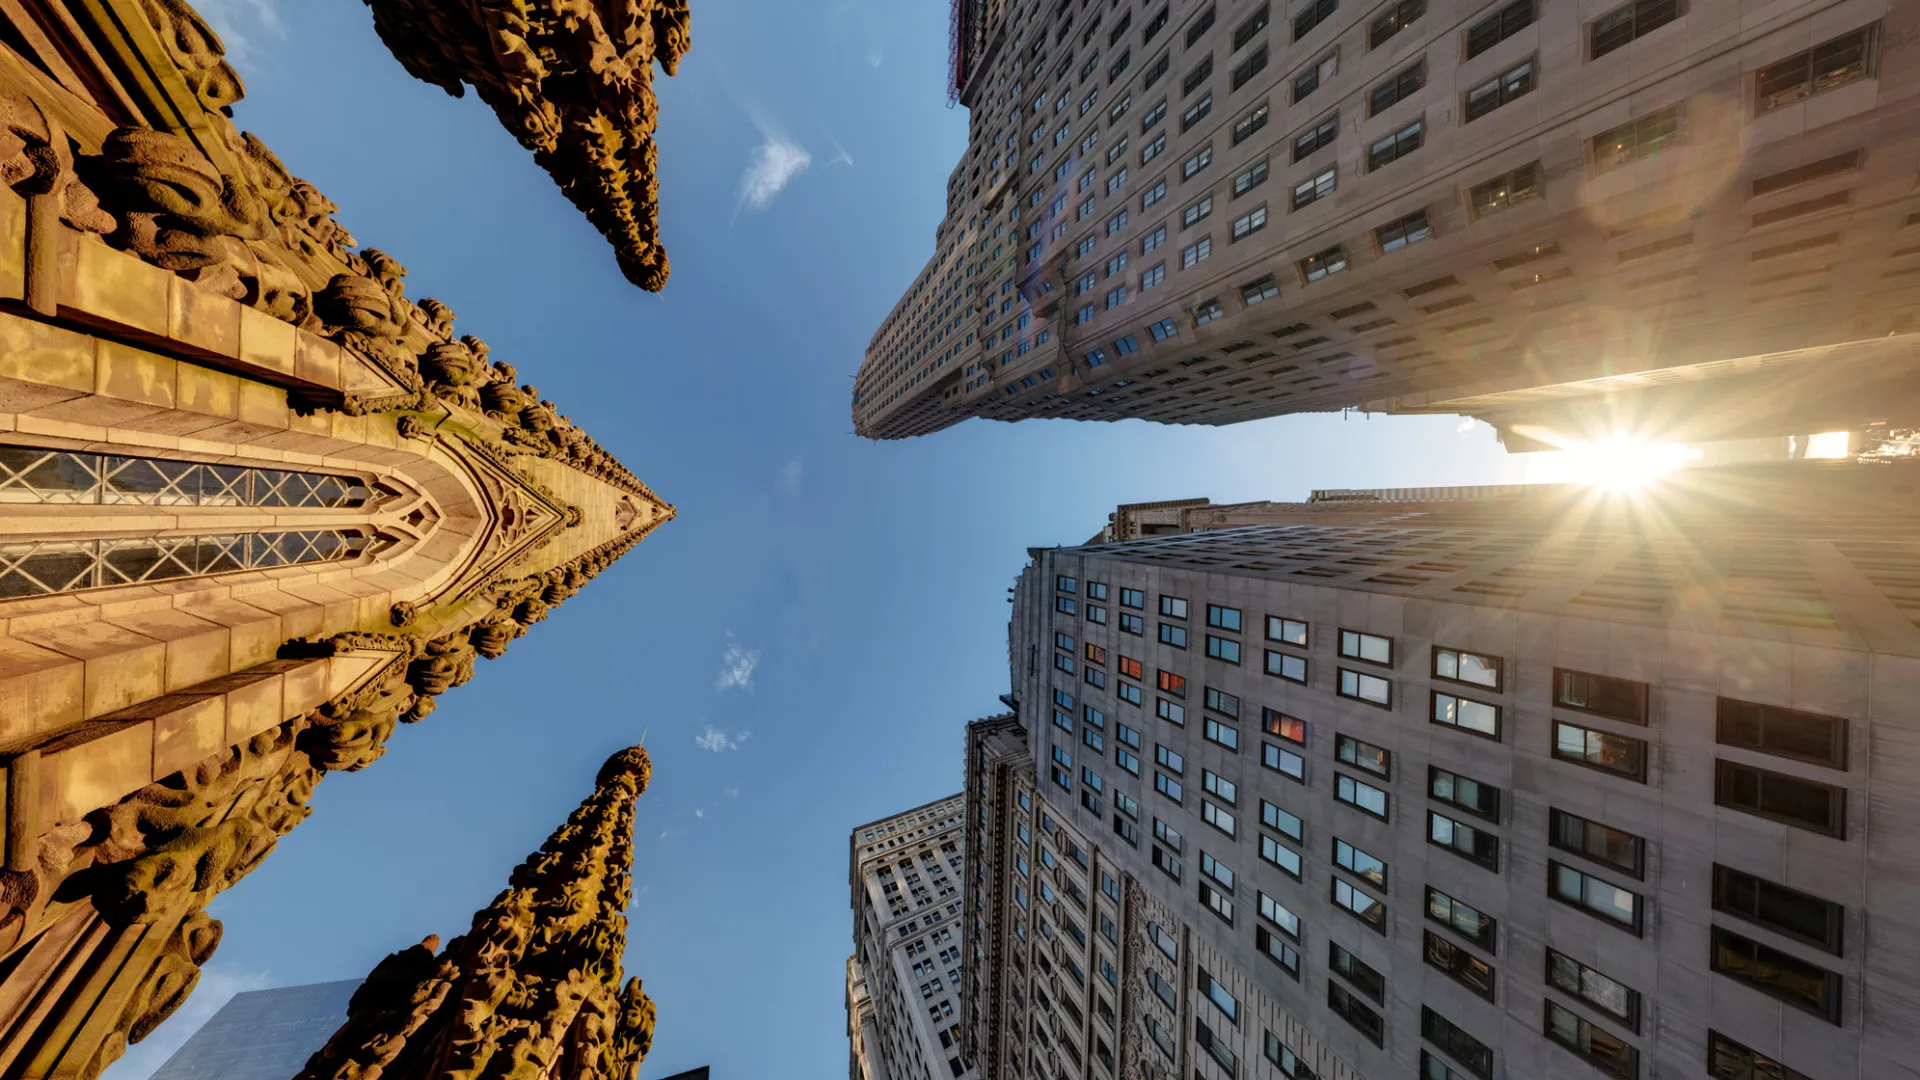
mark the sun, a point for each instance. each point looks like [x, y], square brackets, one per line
[1619, 465]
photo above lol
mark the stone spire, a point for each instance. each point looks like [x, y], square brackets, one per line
[533, 991]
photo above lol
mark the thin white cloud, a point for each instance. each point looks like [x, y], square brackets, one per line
[840, 156]
[1465, 425]
[731, 791]
[737, 665]
[699, 813]
[718, 741]
[218, 984]
[241, 25]
[776, 161]
[873, 57]
[790, 476]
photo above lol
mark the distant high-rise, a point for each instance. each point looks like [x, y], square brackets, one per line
[903, 979]
[1501, 788]
[1681, 219]
[262, 1034]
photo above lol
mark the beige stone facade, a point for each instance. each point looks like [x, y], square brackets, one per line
[903, 979]
[258, 507]
[1501, 788]
[1205, 211]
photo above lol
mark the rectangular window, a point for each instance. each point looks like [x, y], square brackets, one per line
[1127, 735]
[1596, 1044]
[1218, 817]
[1225, 649]
[1153, 195]
[1786, 733]
[1200, 160]
[1463, 839]
[1458, 665]
[1166, 864]
[1175, 636]
[1190, 256]
[1362, 975]
[1359, 863]
[1259, 291]
[1171, 683]
[1167, 835]
[1594, 896]
[1168, 786]
[1476, 798]
[1129, 693]
[1363, 755]
[1361, 906]
[1132, 598]
[1360, 795]
[1279, 854]
[1459, 1045]
[1617, 699]
[1250, 27]
[1309, 80]
[1729, 1060]
[1497, 91]
[1464, 714]
[1283, 761]
[1400, 232]
[1506, 190]
[1288, 958]
[1197, 75]
[1249, 223]
[1323, 264]
[1604, 844]
[1173, 607]
[1221, 734]
[1499, 26]
[1244, 127]
[1462, 966]
[1621, 26]
[1289, 631]
[1350, 1009]
[1616, 999]
[1169, 759]
[1467, 921]
[1798, 915]
[1403, 84]
[1065, 605]
[1806, 804]
[1149, 278]
[1217, 902]
[1616, 754]
[1154, 115]
[1222, 999]
[1636, 139]
[1432, 1068]
[1315, 138]
[1194, 214]
[1273, 817]
[1317, 12]
[1397, 145]
[1216, 1048]
[1126, 761]
[1314, 188]
[1219, 786]
[1396, 18]
[1254, 64]
[1287, 666]
[1844, 59]
[1222, 702]
[1777, 974]
[1283, 726]
[1368, 688]
[1249, 178]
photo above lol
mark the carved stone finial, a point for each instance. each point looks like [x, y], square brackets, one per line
[535, 983]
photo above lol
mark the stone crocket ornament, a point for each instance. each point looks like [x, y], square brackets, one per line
[535, 990]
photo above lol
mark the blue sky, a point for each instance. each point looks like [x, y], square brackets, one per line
[803, 645]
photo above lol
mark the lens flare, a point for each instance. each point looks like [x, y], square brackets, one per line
[1618, 465]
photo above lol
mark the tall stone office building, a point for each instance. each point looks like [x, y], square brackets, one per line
[1206, 211]
[259, 507]
[1506, 789]
[903, 979]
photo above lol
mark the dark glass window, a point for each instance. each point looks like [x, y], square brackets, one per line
[1596, 1044]
[1602, 843]
[1729, 1060]
[1614, 998]
[1619, 27]
[1467, 921]
[1619, 699]
[1777, 974]
[1481, 800]
[1465, 968]
[1356, 971]
[1396, 18]
[1819, 69]
[1616, 754]
[1787, 733]
[1499, 26]
[1796, 914]
[1453, 1039]
[1349, 1008]
[1807, 804]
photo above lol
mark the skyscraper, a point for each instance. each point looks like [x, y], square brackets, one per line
[1669, 216]
[262, 1034]
[1480, 788]
[903, 979]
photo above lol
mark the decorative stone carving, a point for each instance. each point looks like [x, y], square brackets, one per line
[196, 49]
[35, 159]
[534, 988]
[178, 211]
[574, 83]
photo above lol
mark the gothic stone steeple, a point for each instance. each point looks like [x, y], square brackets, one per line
[533, 991]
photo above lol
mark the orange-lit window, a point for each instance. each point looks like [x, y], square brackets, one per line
[1096, 654]
[1130, 667]
[1173, 684]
